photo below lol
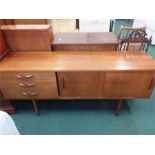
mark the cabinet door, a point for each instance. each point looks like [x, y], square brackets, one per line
[81, 84]
[128, 85]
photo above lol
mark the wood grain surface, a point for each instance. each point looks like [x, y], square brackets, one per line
[28, 37]
[104, 41]
[77, 61]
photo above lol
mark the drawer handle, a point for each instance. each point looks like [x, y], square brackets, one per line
[30, 94]
[24, 76]
[26, 84]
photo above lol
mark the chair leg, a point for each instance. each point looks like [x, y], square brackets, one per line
[5, 105]
[36, 108]
[118, 107]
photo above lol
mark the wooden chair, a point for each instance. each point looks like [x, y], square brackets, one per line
[5, 105]
[133, 39]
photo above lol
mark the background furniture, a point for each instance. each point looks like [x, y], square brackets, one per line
[100, 25]
[23, 21]
[127, 31]
[30, 21]
[133, 39]
[105, 41]
[63, 25]
[28, 37]
[77, 75]
[150, 27]
[4, 104]
[7, 125]
[8, 21]
[2, 22]
[3, 46]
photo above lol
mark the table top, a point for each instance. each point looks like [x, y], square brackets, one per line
[77, 61]
[85, 38]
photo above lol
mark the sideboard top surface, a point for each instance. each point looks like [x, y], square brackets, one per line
[77, 61]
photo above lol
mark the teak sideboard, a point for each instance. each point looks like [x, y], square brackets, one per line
[76, 75]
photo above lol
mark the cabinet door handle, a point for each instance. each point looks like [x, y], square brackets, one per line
[26, 84]
[24, 76]
[30, 94]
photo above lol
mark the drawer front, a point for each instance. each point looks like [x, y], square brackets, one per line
[38, 90]
[6, 77]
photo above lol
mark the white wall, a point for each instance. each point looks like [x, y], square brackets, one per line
[98, 25]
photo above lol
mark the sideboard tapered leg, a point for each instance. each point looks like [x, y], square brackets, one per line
[118, 107]
[36, 108]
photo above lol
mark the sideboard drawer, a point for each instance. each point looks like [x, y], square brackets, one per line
[26, 75]
[41, 90]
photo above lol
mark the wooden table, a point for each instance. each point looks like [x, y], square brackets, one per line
[100, 41]
[77, 75]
